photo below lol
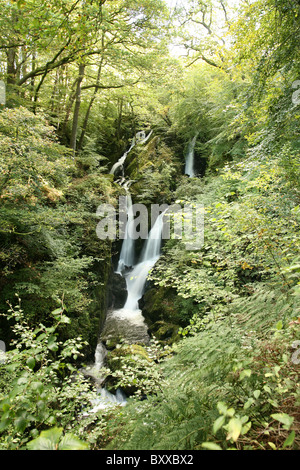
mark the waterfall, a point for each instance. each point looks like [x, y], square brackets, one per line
[94, 370]
[128, 322]
[139, 139]
[121, 161]
[146, 138]
[136, 279]
[107, 400]
[126, 259]
[189, 162]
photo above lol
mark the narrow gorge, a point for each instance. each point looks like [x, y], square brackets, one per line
[127, 324]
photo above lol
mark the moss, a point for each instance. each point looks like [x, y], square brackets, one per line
[165, 333]
[114, 358]
[164, 304]
[111, 342]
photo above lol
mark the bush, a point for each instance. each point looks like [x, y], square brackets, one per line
[40, 386]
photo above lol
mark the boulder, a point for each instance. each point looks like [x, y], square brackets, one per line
[165, 333]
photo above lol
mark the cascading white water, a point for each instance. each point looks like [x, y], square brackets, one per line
[121, 161]
[107, 400]
[189, 162]
[140, 138]
[127, 252]
[136, 279]
[95, 369]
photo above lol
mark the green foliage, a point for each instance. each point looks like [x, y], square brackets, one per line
[33, 164]
[48, 244]
[135, 369]
[52, 439]
[251, 236]
[232, 382]
[40, 386]
[225, 388]
[154, 171]
[208, 105]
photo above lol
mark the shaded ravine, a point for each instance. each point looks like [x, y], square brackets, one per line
[128, 322]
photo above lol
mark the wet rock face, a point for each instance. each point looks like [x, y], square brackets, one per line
[117, 291]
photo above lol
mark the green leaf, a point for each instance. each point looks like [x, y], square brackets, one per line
[52, 345]
[222, 408]
[21, 423]
[218, 424]
[37, 386]
[283, 418]
[246, 428]
[230, 412]
[65, 319]
[272, 445]
[31, 362]
[71, 442]
[245, 373]
[234, 429]
[41, 443]
[47, 440]
[4, 423]
[57, 311]
[210, 446]
[289, 440]
[248, 403]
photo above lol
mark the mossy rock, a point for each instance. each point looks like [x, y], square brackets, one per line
[164, 304]
[161, 304]
[120, 357]
[165, 333]
[114, 358]
[111, 342]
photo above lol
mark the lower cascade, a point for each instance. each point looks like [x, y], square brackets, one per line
[128, 322]
[136, 279]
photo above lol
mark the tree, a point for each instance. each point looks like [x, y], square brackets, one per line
[121, 39]
[202, 28]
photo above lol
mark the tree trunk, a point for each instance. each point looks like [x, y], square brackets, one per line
[32, 81]
[77, 108]
[87, 115]
[11, 66]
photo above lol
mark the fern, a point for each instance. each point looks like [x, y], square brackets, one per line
[205, 370]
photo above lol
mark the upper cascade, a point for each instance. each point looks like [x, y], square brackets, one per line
[126, 259]
[140, 139]
[190, 158]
